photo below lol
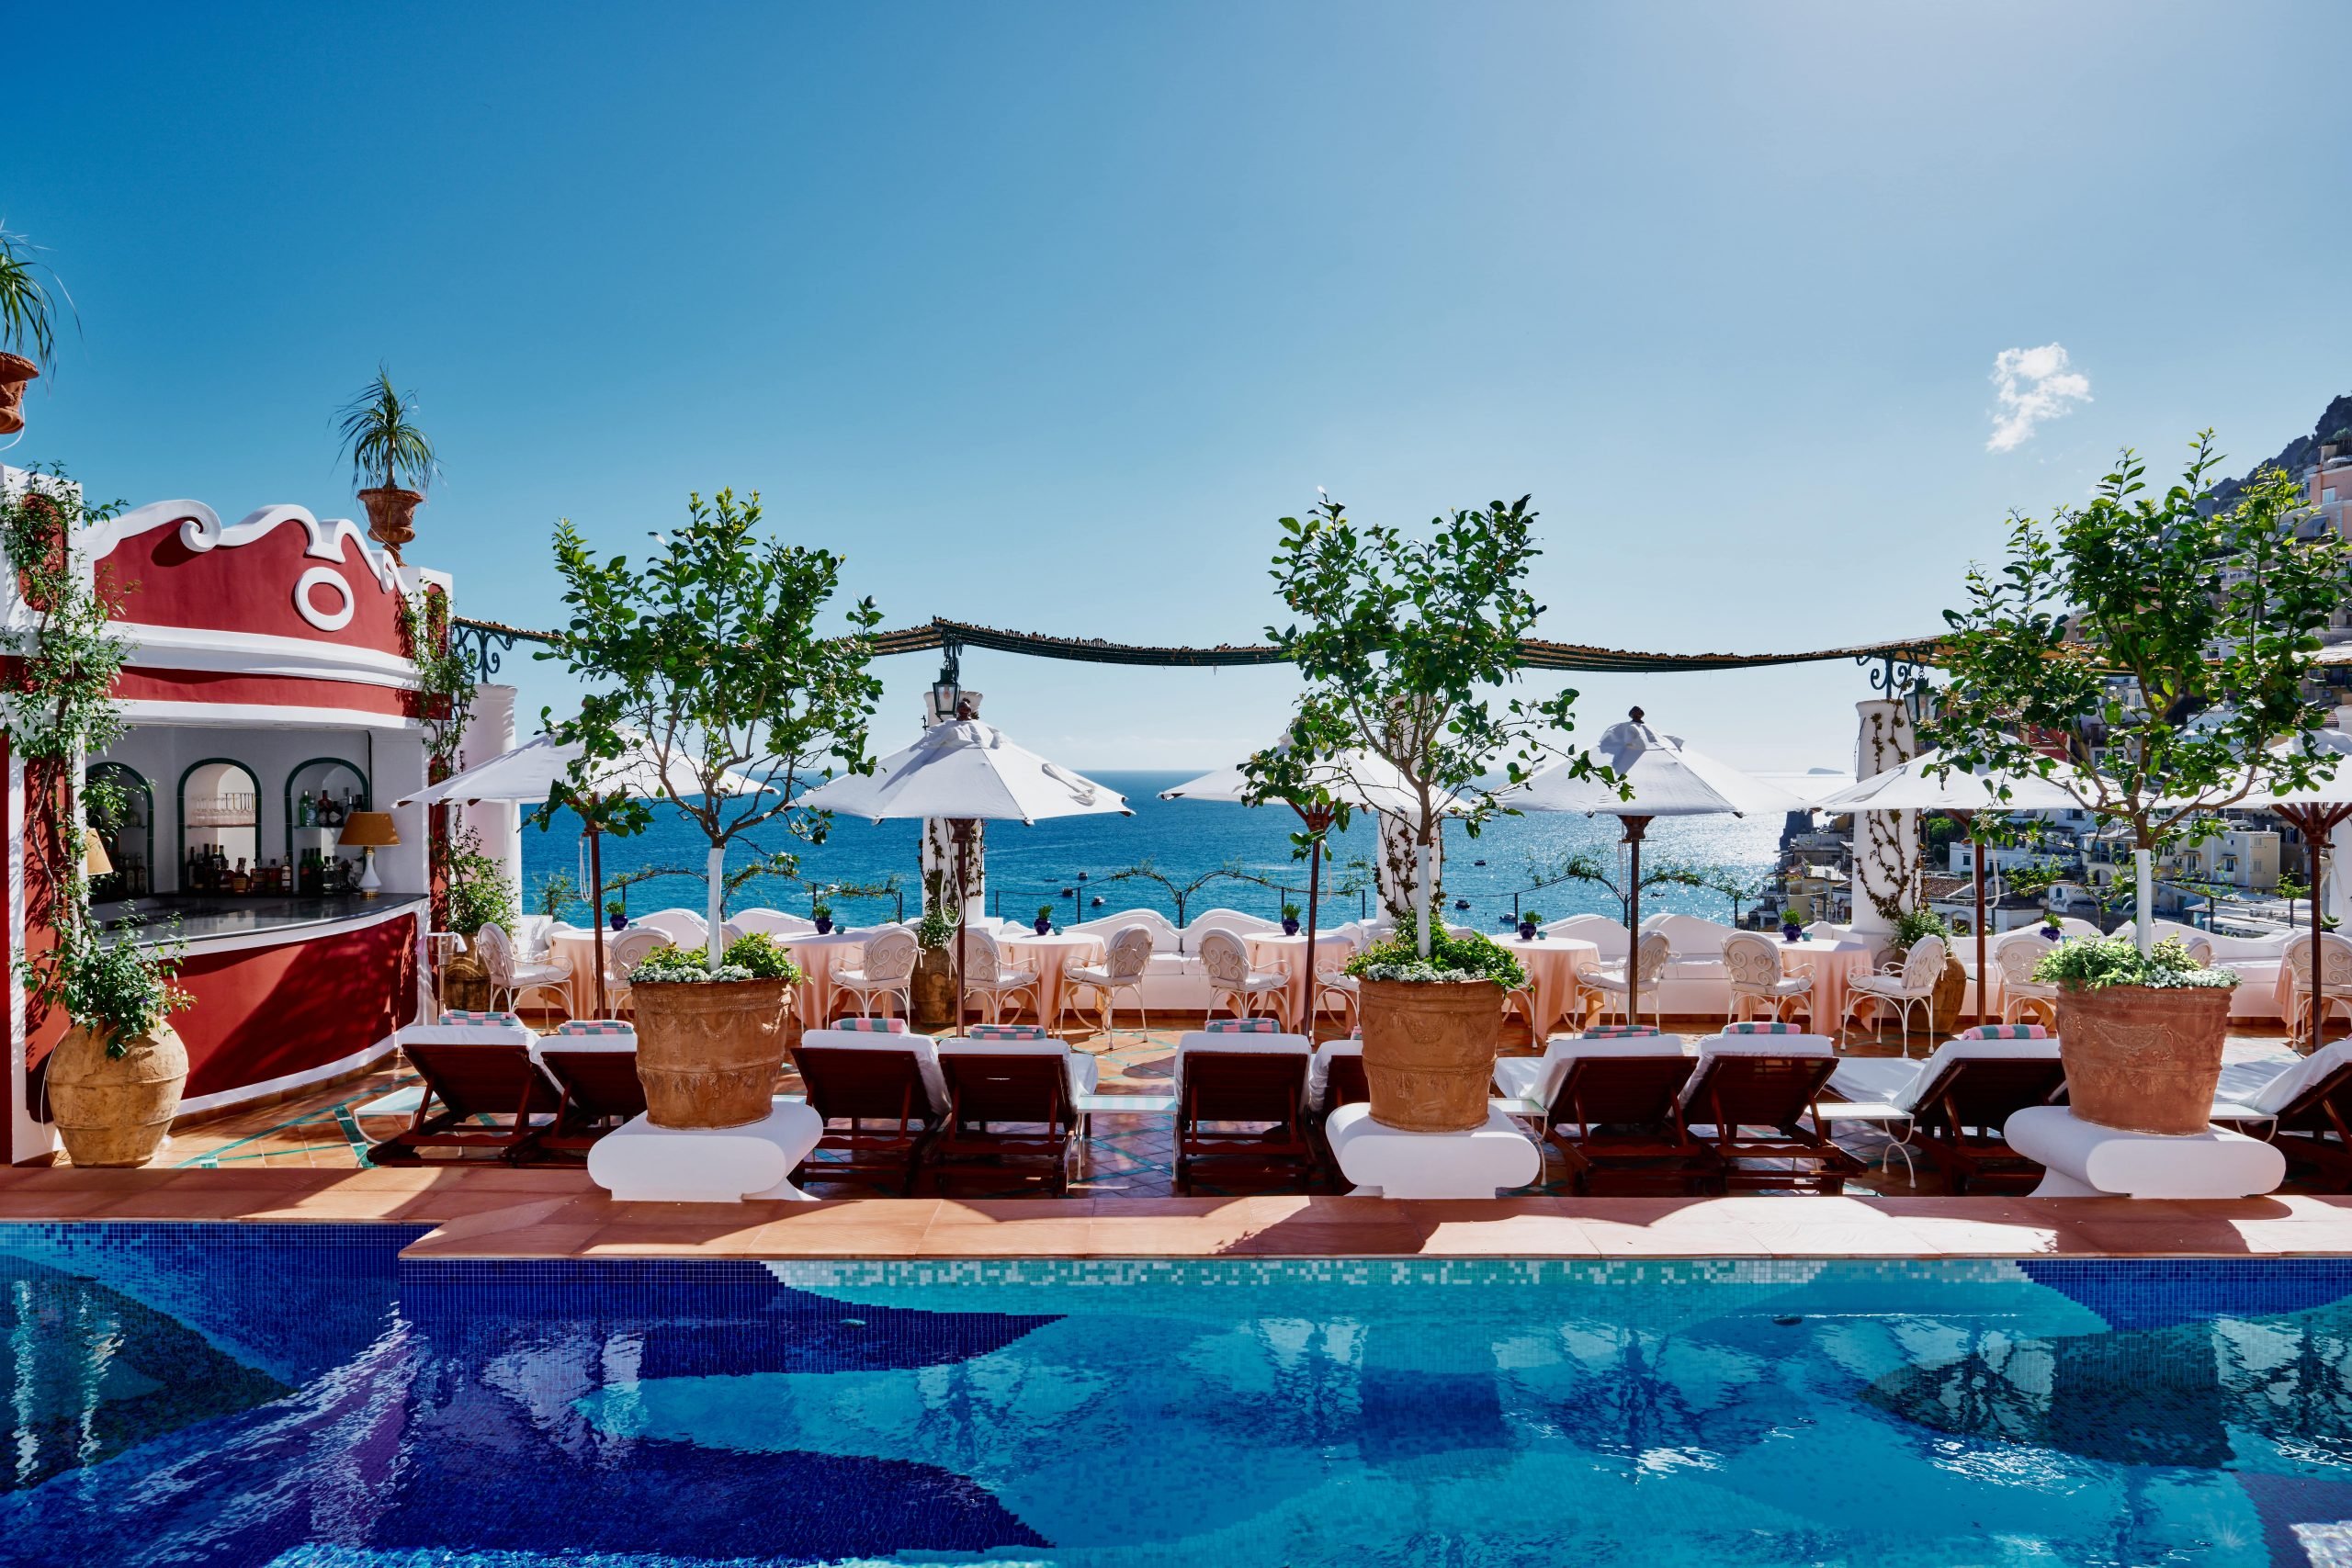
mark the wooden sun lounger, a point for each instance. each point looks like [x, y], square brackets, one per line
[600, 1090]
[1265, 1091]
[1959, 1117]
[880, 1093]
[2313, 1130]
[1734, 1092]
[493, 1079]
[991, 1098]
[1618, 1122]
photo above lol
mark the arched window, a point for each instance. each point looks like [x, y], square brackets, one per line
[220, 814]
[315, 782]
[119, 804]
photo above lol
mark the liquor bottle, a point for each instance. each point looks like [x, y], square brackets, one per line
[305, 814]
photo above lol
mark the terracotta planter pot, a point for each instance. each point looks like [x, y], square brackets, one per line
[465, 981]
[1951, 989]
[1429, 1053]
[2143, 1059]
[934, 988]
[708, 1051]
[114, 1111]
[390, 514]
[15, 371]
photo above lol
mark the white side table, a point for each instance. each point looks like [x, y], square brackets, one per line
[640, 1163]
[1384, 1162]
[2085, 1160]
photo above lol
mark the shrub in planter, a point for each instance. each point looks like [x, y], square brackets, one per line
[709, 1041]
[114, 1080]
[385, 443]
[2141, 1034]
[1431, 1026]
[934, 977]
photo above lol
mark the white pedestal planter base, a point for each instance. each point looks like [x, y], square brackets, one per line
[2087, 1161]
[640, 1163]
[1386, 1163]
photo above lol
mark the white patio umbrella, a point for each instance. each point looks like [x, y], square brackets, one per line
[2317, 812]
[1667, 779]
[1360, 778]
[966, 771]
[1962, 793]
[532, 769]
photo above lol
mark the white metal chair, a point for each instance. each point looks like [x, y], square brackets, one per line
[682, 927]
[1903, 988]
[1125, 959]
[2015, 956]
[1225, 958]
[1753, 962]
[623, 953]
[2335, 975]
[887, 971]
[513, 978]
[1607, 982]
[1341, 986]
[987, 976]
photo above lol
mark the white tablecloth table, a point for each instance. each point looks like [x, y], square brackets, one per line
[1553, 964]
[1833, 963]
[1049, 956]
[819, 956]
[1276, 951]
[576, 946]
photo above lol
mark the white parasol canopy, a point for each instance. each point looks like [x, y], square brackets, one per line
[1669, 779]
[966, 771]
[1364, 781]
[2316, 811]
[529, 771]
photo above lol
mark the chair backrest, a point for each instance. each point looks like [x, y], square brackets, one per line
[1657, 951]
[497, 952]
[1752, 959]
[728, 933]
[775, 922]
[1689, 933]
[630, 948]
[1223, 1082]
[982, 956]
[680, 926]
[877, 1077]
[531, 935]
[2017, 954]
[1598, 930]
[1758, 1081]
[481, 1078]
[1602, 1090]
[1165, 937]
[1225, 920]
[1224, 956]
[891, 954]
[2336, 960]
[601, 1083]
[2200, 950]
[2071, 927]
[1925, 963]
[1129, 954]
[1015, 1085]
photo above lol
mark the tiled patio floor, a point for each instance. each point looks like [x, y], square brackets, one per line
[1126, 1157]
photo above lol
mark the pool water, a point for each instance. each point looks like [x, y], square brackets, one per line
[302, 1396]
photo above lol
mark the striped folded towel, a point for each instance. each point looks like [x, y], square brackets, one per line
[1620, 1031]
[1762, 1026]
[1241, 1026]
[1005, 1031]
[885, 1025]
[596, 1026]
[459, 1017]
[2003, 1031]
[1357, 1033]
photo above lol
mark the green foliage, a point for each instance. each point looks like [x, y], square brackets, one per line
[1450, 958]
[2170, 635]
[1912, 926]
[1290, 911]
[615, 906]
[819, 909]
[759, 955]
[706, 659]
[1601, 870]
[387, 447]
[1180, 889]
[1401, 640]
[444, 703]
[480, 894]
[1531, 918]
[1045, 911]
[670, 964]
[28, 305]
[937, 929]
[119, 991]
[2118, 961]
[556, 892]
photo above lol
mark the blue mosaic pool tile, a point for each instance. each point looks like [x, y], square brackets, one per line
[2153, 1292]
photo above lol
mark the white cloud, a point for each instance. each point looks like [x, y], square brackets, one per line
[2032, 384]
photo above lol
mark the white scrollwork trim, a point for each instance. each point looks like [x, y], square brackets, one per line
[326, 620]
[201, 530]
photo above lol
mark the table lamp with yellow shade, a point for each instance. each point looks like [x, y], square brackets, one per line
[94, 855]
[369, 830]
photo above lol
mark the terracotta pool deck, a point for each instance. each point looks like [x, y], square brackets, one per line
[557, 1213]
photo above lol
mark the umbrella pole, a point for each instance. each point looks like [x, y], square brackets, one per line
[962, 830]
[1317, 819]
[1635, 828]
[596, 909]
[1976, 859]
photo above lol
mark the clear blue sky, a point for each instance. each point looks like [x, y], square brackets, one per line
[1044, 313]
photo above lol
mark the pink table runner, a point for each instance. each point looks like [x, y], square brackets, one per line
[1275, 951]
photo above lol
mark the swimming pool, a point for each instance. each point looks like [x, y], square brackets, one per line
[217, 1394]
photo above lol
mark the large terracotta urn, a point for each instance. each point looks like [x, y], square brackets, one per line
[15, 371]
[934, 988]
[1428, 1052]
[2143, 1059]
[110, 1110]
[391, 515]
[465, 981]
[1951, 991]
[708, 1051]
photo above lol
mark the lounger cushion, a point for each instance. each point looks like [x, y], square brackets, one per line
[1903, 1083]
[571, 1026]
[1762, 1026]
[1006, 1031]
[1623, 1032]
[1084, 1071]
[1537, 1078]
[459, 1017]
[870, 1025]
[2279, 1093]
[922, 1047]
[511, 1033]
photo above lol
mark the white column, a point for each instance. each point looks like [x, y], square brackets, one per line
[937, 854]
[2339, 851]
[1886, 843]
[489, 732]
[1397, 868]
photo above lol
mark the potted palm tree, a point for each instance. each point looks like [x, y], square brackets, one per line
[1401, 639]
[27, 321]
[2160, 647]
[387, 446]
[702, 663]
